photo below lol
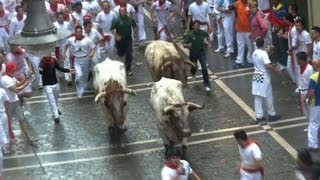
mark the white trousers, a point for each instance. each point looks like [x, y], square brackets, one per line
[305, 107]
[67, 65]
[4, 40]
[313, 129]
[293, 69]
[52, 92]
[268, 38]
[258, 107]
[35, 61]
[250, 176]
[225, 33]
[242, 40]
[5, 125]
[82, 68]
[220, 35]
[140, 17]
[109, 45]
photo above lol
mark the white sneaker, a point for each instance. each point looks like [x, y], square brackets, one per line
[208, 88]
[305, 130]
[26, 113]
[193, 77]
[219, 50]
[296, 91]
[226, 55]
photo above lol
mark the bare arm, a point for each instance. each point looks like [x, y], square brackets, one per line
[30, 72]
[65, 48]
[310, 50]
[17, 89]
[195, 175]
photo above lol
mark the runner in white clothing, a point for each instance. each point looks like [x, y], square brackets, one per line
[177, 169]
[17, 22]
[304, 39]
[261, 83]
[82, 49]
[200, 10]
[104, 19]
[162, 13]
[130, 9]
[53, 8]
[4, 26]
[306, 70]
[4, 138]
[78, 13]
[251, 166]
[92, 7]
[315, 35]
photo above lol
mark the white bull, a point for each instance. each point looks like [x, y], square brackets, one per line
[110, 84]
[172, 112]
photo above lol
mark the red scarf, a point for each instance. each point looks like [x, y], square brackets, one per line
[2, 13]
[251, 141]
[48, 60]
[106, 37]
[303, 67]
[170, 165]
[117, 2]
[17, 52]
[66, 17]
[79, 38]
[54, 7]
[19, 17]
[161, 3]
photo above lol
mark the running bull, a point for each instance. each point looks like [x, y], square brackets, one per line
[172, 112]
[164, 60]
[110, 84]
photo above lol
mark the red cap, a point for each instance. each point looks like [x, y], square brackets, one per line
[10, 67]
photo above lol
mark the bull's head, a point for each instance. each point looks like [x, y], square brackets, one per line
[177, 70]
[179, 116]
[115, 101]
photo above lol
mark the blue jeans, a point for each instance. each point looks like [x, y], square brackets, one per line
[124, 47]
[201, 56]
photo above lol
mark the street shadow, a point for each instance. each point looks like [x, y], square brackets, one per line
[59, 135]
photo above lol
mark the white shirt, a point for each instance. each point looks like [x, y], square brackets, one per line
[20, 61]
[5, 19]
[162, 12]
[130, 10]
[105, 21]
[6, 83]
[293, 37]
[79, 16]
[3, 98]
[249, 154]
[16, 26]
[303, 40]
[305, 78]
[52, 14]
[91, 7]
[260, 58]
[93, 35]
[316, 50]
[80, 49]
[199, 12]
[65, 25]
[9, 5]
[168, 173]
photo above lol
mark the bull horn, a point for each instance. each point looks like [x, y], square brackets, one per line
[190, 63]
[101, 94]
[168, 108]
[129, 91]
[192, 106]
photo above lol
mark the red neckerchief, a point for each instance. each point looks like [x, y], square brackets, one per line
[106, 37]
[2, 13]
[48, 60]
[170, 165]
[249, 142]
[66, 17]
[54, 7]
[78, 38]
[19, 17]
[160, 4]
[303, 67]
[18, 52]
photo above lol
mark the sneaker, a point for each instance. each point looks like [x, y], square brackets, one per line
[69, 83]
[26, 113]
[138, 63]
[260, 120]
[32, 139]
[59, 112]
[305, 130]
[208, 88]
[237, 66]
[274, 117]
[226, 55]
[296, 91]
[249, 65]
[40, 86]
[193, 77]
[129, 73]
[219, 50]
[56, 120]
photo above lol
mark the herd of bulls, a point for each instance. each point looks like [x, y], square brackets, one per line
[169, 70]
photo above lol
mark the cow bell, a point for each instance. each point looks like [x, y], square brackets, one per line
[38, 33]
